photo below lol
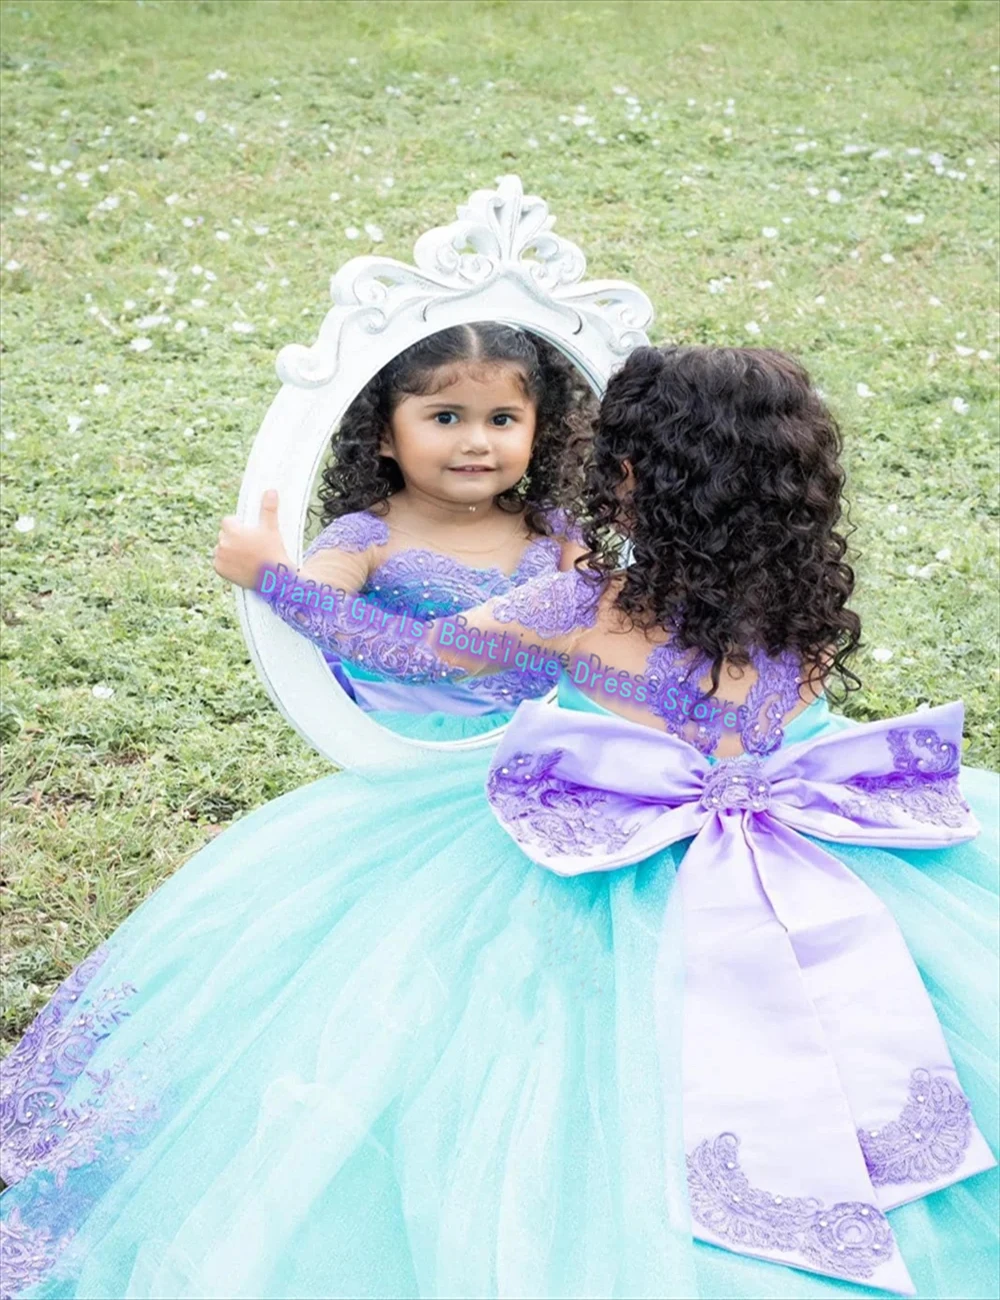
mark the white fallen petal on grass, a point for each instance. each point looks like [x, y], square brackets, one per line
[24, 523]
[374, 233]
[242, 327]
[73, 422]
[944, 554]
[963, 351]
[101, 692]
[833, 196]
[864, 391]
[914, 218]
[752, 327]
[141, 345]
[983, 355]
[770, 232]
[101, 390]
[881, 655]
[887, 258]
[222, 235]
[959, 406]
[352, 232]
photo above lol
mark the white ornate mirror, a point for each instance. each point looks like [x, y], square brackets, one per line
[498, 262]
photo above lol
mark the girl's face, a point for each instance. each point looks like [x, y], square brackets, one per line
[468, 441]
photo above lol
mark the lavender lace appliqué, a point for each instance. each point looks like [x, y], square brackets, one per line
[38, 1130]
[928, 1141]
[923, 785]
[26, 1254]
[737, 784]
[428, 585]
[552, 605]
[353, 532]
[850, 1239]
[537, 806]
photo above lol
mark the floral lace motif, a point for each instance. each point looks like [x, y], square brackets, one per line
[736, 783]
[354, 532]
[536, 806]
[392, 649]
[922, 786]
[26, 1254]
[38, 1129]
[672, 677]
[773, 694]
[428, 585]
[850, 1239]
[553, 604]
[928, 1140]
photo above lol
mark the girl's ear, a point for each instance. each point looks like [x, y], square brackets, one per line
[385, 446]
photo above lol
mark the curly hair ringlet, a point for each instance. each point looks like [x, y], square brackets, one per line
[359, 478]
[733, 517]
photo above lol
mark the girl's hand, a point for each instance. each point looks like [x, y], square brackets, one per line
[243, 551]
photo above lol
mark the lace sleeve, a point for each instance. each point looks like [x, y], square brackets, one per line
[353, 532]
[394, 645]
[553, 604]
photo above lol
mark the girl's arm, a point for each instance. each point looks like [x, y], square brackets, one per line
[547, 615]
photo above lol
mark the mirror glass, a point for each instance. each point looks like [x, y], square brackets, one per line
[447, 464]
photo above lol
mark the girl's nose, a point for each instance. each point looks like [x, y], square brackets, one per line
[475, 438]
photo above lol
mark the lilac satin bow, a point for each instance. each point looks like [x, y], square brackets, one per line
[818, 1088]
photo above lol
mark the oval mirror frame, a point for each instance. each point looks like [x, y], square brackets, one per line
[498, 261]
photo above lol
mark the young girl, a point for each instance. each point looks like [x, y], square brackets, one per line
[397, 1037]
[447, 485]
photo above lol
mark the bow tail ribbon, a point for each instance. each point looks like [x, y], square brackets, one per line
[775, 1169]
[913, 1122]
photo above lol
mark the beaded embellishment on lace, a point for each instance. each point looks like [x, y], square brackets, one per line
[353, 532]
[538, 806]
[927, 1141]
[26, 1254]
[849, 1239]
[38, 1130]
[552, 605]
[923, 784]
[735, 784]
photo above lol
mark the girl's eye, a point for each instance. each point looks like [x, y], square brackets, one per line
[503, 417]
[445, 417]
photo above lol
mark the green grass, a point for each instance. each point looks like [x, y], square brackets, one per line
[743, 115]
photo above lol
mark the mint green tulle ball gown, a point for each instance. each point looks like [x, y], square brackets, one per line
[361, 1045]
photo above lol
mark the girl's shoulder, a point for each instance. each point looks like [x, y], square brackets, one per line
[562, 525]
[352, 532]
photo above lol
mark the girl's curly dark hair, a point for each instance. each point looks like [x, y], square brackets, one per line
[733, 517]
[358, 478]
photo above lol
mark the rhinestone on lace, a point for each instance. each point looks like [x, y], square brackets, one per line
[736, 783]
[849, 1239]
[927, 1141]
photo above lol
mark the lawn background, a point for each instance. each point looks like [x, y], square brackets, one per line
[667, 137]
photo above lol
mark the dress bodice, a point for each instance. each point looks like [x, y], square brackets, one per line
[426, 584]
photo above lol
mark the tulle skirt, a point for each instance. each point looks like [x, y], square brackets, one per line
[360, 1046]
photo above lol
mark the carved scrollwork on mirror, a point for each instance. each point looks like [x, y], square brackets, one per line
[499, 261]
